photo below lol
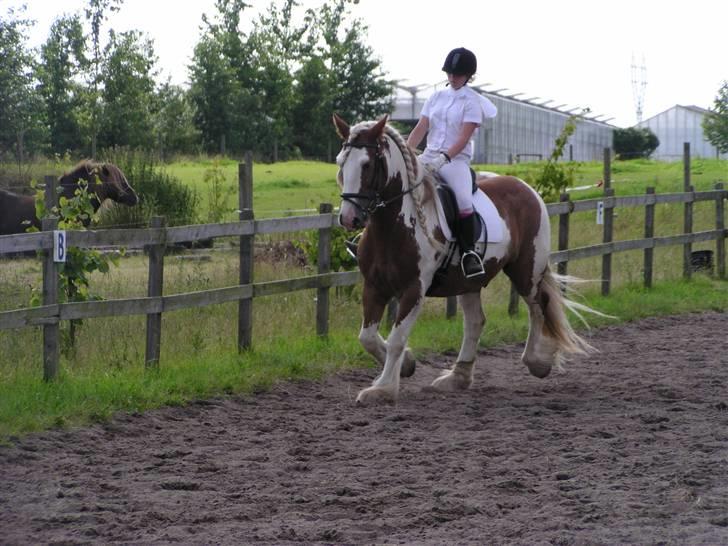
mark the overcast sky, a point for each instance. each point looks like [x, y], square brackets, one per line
[578, 53]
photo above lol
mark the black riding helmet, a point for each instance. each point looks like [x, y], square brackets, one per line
[461, 62]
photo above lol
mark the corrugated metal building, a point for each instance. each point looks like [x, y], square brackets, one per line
[678, 125]
[523, 130]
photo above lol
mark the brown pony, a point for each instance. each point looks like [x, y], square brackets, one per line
[386, 189]
[105, 181]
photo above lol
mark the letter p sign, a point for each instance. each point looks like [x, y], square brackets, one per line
[59, 246]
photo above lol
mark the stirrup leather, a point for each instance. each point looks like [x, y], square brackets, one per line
[481, 270]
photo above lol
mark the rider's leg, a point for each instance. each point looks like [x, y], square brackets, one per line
[470, 262]
[457, 175]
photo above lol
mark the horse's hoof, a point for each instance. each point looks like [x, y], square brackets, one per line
[451, 382]
[408, 365]
[376, 395]
[538, 369]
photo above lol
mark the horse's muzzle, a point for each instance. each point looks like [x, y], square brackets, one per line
[129, 198]
[351, 217]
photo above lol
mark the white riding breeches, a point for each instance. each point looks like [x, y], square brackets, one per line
[457, 175]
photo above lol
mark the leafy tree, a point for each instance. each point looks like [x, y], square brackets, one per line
[271, 88]
[223, 82]
[634, 142]
[338, 73]
[312, 109]
[715, 124]
[128, 94]
[278, 44]
[211, 91]
[360, 90]
[174, 121]
[96, 13]
[21, 123]
[62, 61]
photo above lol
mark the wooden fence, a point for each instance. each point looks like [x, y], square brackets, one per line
[155, 238]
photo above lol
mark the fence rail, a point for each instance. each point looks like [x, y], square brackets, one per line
[157, 237]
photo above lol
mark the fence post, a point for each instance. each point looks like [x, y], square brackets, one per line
[245, 204]
[451, 306]
[155, 289]
[51, 199]
[607, 168]
[51, 352]
[607, 238]
[392, 308]
[513, 301]
[561, 268]
[324, 266]
[720, 226]
[649, 253]
[688, 212]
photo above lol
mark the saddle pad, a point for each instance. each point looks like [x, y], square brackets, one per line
[487, 211]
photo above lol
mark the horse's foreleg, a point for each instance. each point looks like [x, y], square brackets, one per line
[386, 387]
[461, 375]
[372, 341]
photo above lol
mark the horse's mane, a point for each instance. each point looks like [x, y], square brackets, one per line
[81, 169]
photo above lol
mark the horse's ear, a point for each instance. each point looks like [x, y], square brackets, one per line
[379, 127]
[342, 128]
[105, 169]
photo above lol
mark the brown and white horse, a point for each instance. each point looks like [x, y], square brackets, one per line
[105, 181]
[386, 189]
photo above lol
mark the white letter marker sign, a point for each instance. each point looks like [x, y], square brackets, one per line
[59, 246]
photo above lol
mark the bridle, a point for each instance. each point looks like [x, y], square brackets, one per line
[373, 199]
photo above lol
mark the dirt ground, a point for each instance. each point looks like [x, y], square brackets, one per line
[629, 446]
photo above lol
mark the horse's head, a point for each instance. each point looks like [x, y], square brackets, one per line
[115, 186]
[363, 173]
[105, 180]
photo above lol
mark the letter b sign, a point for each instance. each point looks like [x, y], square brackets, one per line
[59, 246]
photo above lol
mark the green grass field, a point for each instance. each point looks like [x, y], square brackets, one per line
[105, 373]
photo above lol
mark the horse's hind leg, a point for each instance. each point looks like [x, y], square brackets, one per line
[542, 351]
[460, 377]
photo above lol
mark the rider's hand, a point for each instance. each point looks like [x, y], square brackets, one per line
[434, 165]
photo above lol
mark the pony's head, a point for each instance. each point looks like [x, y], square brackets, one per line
[104, 179]
[362, 172]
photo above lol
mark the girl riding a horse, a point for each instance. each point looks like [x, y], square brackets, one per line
[386, 189]
[449, 118]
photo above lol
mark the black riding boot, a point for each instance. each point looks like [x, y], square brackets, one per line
[470, 262]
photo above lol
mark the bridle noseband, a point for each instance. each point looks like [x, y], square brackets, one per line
[374, 200]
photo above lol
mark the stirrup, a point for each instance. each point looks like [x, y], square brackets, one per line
[352, 246]
[481, 270]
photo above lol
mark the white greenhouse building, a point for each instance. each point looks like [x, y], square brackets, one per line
[523, 130]
[678, 125]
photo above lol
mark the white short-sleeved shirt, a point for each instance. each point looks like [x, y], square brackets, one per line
[448, 109]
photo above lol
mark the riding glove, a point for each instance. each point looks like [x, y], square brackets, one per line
[434, 165]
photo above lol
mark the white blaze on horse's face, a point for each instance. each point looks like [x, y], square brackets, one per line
[352, 163]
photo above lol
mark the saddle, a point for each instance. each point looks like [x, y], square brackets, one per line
[451, 210]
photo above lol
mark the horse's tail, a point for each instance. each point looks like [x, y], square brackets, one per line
[556, 322]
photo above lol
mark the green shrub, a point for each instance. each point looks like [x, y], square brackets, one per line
[160, 194]
[634, 142]
[554, 177]
[341, 260]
